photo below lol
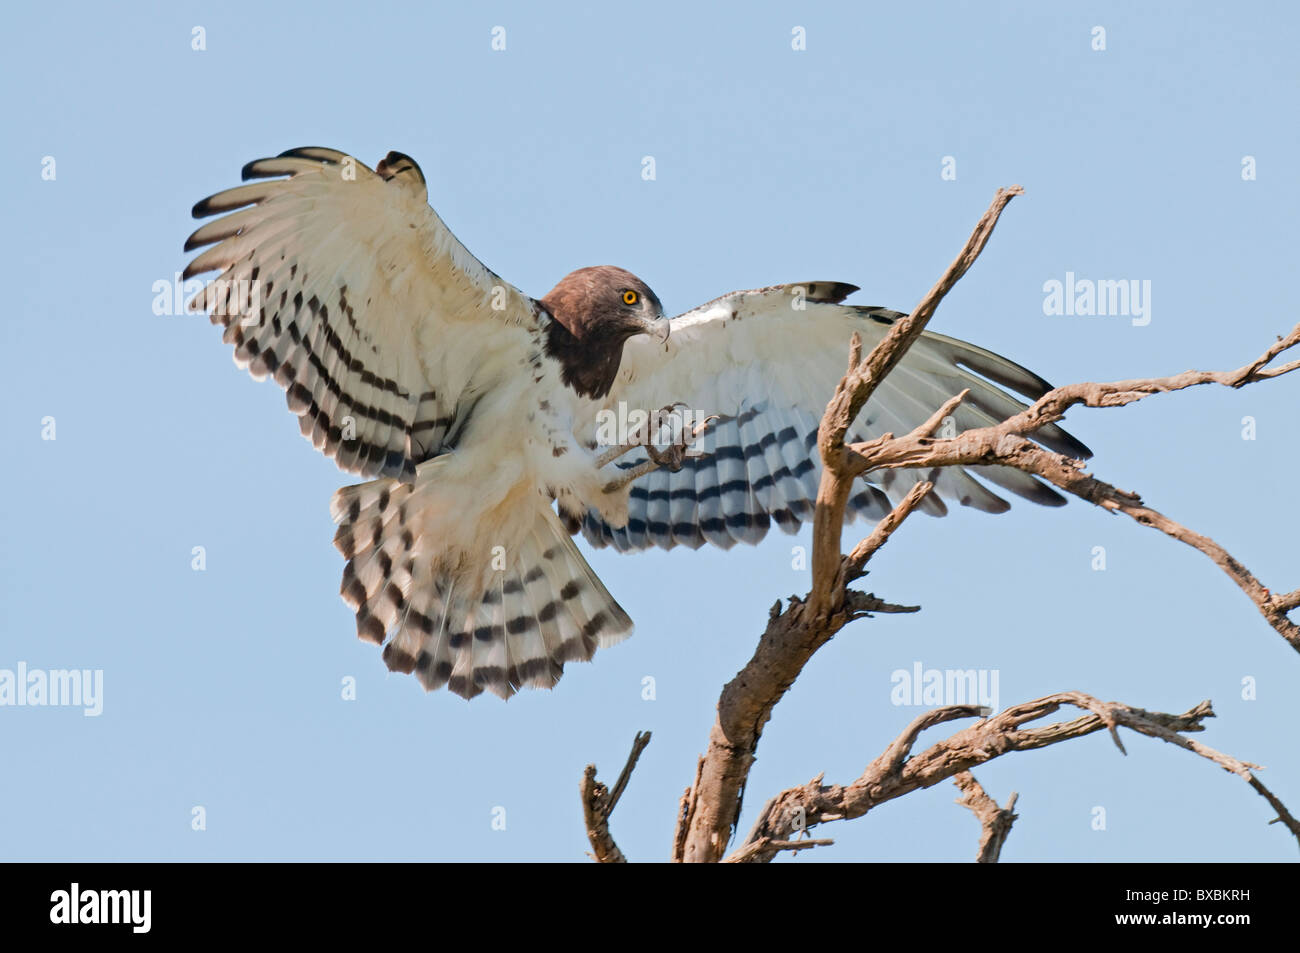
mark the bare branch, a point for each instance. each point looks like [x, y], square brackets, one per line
[638, 745]
[853, 392]
[863, 552]
[793, 636]
[749, 852]
[686, 810]
[1006, 444]
[894, 774]
[598, 804]
[995, 822]
[711, 807]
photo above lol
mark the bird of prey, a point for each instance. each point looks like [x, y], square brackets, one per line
[478, 414]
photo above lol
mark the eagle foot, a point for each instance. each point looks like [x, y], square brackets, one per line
[672, 457]
[641, 437]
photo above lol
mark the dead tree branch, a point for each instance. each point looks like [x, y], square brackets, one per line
[747, 853]
[995, 822]
[598, 803]
[713, 805]
[852, 394]
[1006, 444]
[897, 771]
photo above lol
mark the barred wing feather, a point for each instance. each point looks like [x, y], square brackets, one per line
[767, 361]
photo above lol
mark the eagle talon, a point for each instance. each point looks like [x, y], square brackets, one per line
[671, 458]
[676, 454]
[642, 438]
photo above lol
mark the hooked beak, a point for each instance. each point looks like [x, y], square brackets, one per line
[658, 328]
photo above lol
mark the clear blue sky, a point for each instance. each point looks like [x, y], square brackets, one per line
[222, 687]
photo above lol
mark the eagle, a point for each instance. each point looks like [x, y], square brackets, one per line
[489, 425]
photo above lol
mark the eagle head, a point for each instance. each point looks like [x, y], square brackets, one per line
[594, 311]
[606, 303]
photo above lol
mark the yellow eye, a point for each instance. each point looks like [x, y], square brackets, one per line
[629, 297]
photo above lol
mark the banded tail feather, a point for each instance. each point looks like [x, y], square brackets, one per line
[452, 618]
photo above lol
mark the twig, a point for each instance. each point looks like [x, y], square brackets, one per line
[748, 852]
[995, 822]
[854, 561]
[638, 745]
[598, 804]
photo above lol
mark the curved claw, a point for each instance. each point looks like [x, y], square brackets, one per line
[673, 457]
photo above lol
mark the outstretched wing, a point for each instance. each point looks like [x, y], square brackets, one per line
[345, 286]
[767, 361]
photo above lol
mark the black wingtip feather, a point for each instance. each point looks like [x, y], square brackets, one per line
[1012, 375]
[1015, 377]
[395, 163]
[316, 153]
[1065, 442]
[830, 292]
[1020, 483]
[210, 205]
[1050, 436]
[250, 171]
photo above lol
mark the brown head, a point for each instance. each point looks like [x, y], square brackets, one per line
[596, 310]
